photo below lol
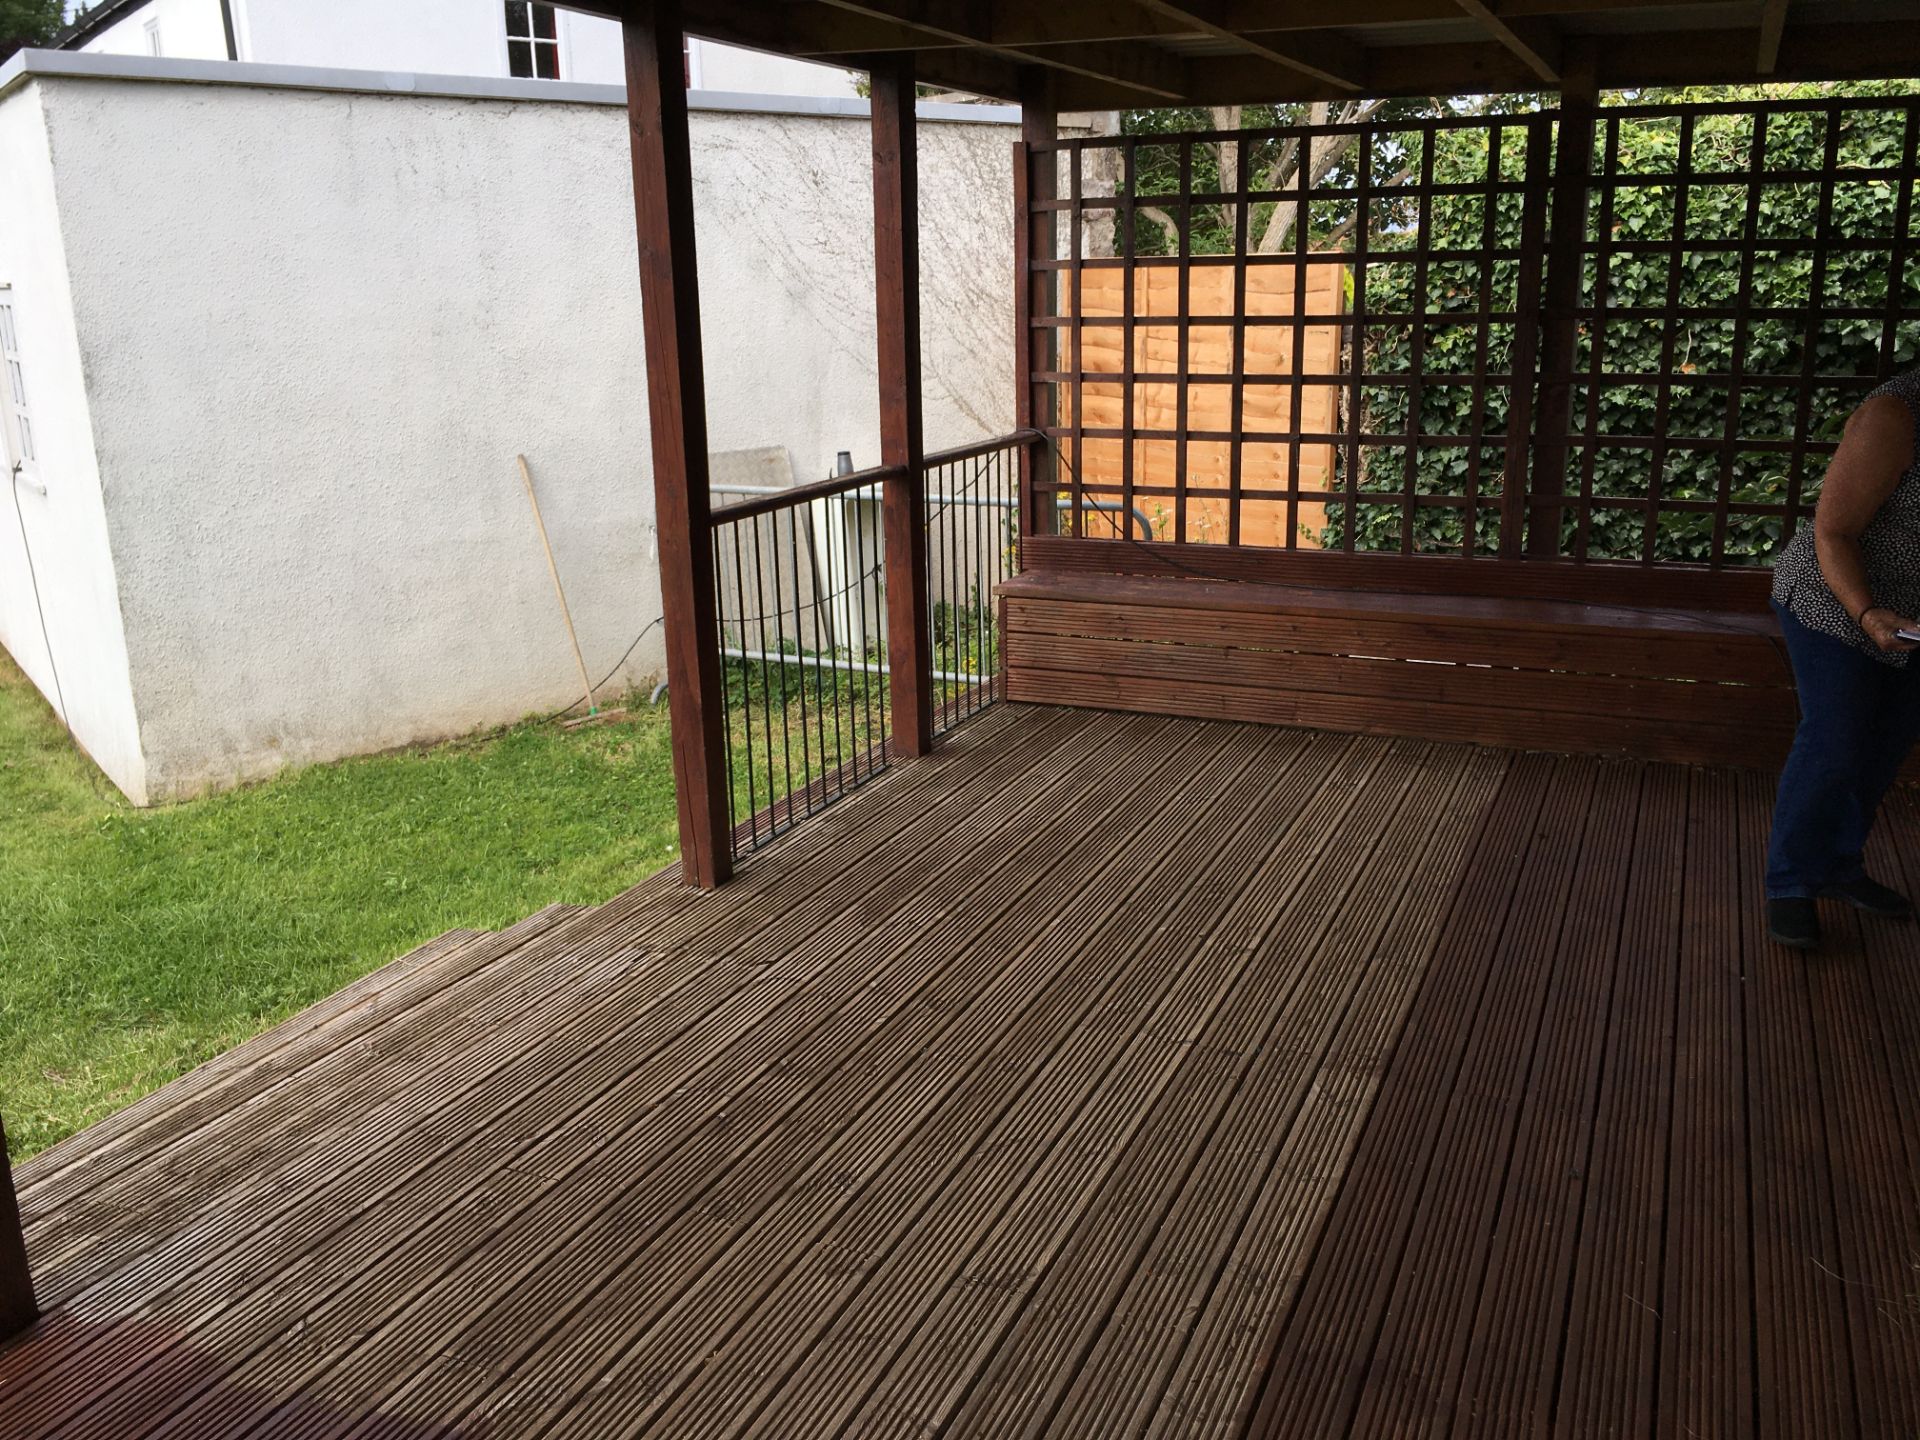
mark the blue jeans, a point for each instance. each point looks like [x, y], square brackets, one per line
[1858, 720]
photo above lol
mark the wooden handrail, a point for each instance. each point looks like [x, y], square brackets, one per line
[854, 479]
[17, 1306]
[978, 448]
[802, 494]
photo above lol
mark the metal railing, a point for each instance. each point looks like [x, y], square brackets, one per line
[972, 508]
[800, 581]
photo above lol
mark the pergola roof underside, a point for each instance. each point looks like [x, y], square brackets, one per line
[1100, 54]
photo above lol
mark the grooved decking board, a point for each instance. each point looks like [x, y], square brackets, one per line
[1100, 1074]
[1803, 1366]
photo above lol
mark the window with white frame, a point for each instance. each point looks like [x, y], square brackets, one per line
[533, 41]
[18, 430]
[153, 37]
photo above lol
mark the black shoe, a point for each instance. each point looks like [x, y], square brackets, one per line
[1794, 921]
[1872, 897]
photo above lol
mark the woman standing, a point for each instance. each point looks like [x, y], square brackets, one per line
[1843, 589]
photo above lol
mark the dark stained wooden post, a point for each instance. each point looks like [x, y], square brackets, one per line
[17, 1307]
[896, 256]
[676, 392]
[1559, 328]
[1036, 177]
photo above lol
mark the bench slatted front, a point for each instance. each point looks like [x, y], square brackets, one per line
[1702, 686]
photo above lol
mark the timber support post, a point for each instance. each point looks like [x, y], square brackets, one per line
[17, 1306]
[896, 255]
[1036, 178]
[676, 392]
[1559, 327]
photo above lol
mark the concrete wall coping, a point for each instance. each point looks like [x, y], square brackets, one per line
[29, 64]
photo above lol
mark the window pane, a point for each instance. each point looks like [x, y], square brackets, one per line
[544, 22]
[517, 18]
[520, 59]
[548, 58]
[26, 436]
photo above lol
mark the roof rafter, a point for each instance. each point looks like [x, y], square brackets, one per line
[1773, 23]
[849, 39]
[1151, 72]
[1342, 65]
[1540, 53]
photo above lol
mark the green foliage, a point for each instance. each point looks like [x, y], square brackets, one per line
[135, 944]
[29, 22]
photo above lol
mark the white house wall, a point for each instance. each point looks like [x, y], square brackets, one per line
[318, 326]
[751, 72]
[64, 529]
[189, 30]
[435, 37]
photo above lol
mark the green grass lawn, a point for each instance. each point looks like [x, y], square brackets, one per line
[134, 944]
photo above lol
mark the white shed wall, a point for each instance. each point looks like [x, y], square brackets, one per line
[64, 528]
[318, 326]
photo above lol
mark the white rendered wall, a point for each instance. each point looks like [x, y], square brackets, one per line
[318, 327]
[189, 30]
[65, 528]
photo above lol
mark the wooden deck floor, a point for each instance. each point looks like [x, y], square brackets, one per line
[1100, 1076]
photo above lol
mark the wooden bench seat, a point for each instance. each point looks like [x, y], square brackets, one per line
[1703, 686]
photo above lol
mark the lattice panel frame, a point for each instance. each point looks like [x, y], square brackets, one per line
[1379, 490]
[1763, 425]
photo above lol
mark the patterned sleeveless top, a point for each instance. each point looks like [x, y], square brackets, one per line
[1890, 545]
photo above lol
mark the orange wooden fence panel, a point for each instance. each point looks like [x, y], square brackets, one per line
[1265, 406]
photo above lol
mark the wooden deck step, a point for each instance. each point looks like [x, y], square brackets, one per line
[96, 1139]
[241, 1075]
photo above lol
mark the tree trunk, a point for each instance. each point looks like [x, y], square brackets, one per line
[1102, 173]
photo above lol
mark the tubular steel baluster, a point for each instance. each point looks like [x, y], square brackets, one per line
[746, 692]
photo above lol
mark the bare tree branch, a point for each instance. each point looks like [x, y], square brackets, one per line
[1226, 117]
[1158, 217]
[1331, 240]
[1279, 226]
